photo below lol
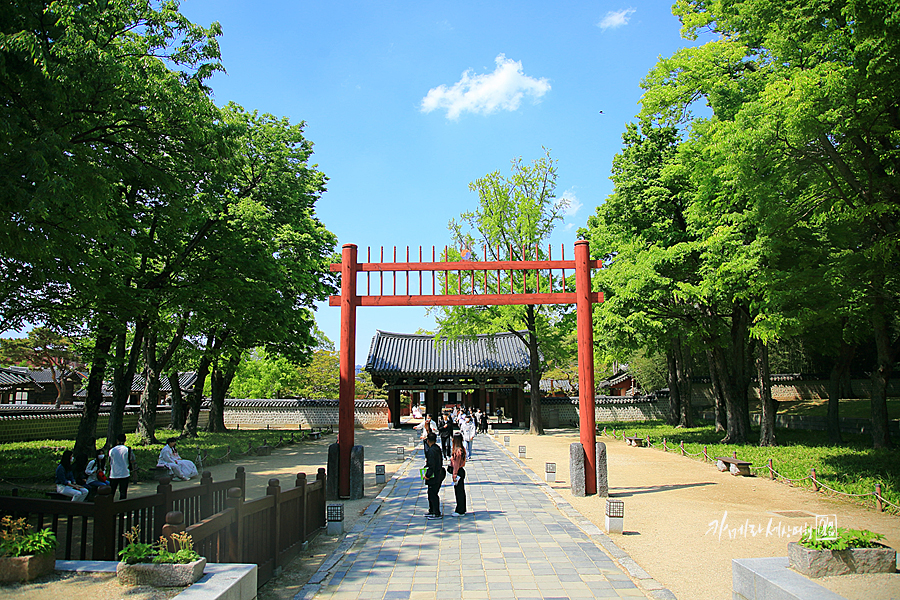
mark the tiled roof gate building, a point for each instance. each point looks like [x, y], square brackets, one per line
[511, 273]
[485, 363]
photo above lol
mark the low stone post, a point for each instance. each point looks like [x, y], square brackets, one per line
[602, 471]
[576, 468]
[174, 524]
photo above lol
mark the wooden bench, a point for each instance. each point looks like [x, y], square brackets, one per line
[314, 435]
[159, 472]
[55, 496]
[635, 441]
[734, 465]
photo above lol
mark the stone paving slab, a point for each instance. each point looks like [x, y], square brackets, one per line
[514, 543]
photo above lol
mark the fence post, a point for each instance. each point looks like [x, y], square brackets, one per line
[771, 471]
[174, 524]
[648, 440]
[241, 477]
[274, 489]
[320, 508]
[206, 497]
[304, 514]
[681, 445]
[878, 505]
[235, 500]
[164, 490]
[665, 449]
[734, 455]
[815, 483]
[705, 455]
[104, 543]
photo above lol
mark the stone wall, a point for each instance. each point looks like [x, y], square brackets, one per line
[563, 412]
[289, 414]
[26, 426]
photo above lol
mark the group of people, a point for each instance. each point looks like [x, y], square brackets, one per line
[457, 429]
[117, 477]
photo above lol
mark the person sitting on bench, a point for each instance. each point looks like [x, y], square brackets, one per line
[180, 468]
[65, 479]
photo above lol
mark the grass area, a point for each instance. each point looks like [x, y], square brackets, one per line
[851, 468]
[850, 408]
[31, 465]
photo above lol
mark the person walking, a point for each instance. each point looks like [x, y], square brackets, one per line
[445, 429]
[467, 429]
[434, 476]
[457, 469]
[121, 464]
[65, 479]
[427, 426]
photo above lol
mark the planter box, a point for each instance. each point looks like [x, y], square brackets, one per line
[162, 575]
[26, 568]
[824, 563]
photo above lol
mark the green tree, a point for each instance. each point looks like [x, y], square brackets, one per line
[261, 375]
[515, 216]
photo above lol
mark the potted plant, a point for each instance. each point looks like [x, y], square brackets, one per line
[840, 551]
[25, 555]
[156, 565]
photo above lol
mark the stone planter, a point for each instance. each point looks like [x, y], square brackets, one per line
[824, 563]
[161, 575]
[26, 568]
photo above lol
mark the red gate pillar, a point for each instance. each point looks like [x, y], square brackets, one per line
[348, 370]
[587, 419]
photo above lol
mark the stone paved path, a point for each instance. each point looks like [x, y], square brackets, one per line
[513, 543]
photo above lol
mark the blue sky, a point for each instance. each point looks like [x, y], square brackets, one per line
[408, 102]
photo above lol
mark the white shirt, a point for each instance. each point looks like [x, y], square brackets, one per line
[118, 462]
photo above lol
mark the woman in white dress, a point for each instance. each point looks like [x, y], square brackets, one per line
[179, 467]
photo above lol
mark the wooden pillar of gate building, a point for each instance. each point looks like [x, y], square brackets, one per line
[347, 389]
[432, 402]
[587, 416]
[394, 408]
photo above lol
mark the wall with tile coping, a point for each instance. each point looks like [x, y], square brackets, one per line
[25, 428]
[256, 414]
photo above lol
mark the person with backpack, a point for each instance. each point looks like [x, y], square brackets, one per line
[121, 464]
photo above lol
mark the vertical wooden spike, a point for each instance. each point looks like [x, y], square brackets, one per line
[407, 272]
[420, 272]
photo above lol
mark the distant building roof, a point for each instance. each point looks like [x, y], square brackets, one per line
[46, 375]
[12, 378]
[186, 381]
[412, 360]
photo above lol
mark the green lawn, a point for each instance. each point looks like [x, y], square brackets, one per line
[31, 465]
[853, 467]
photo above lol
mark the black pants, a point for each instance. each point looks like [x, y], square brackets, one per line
[445, 446]
[460, 489]
[434, 499]
[121, 485]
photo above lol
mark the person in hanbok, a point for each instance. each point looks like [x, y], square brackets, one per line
[180, 468]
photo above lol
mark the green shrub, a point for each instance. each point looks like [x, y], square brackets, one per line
[840, 539]
[15, 539]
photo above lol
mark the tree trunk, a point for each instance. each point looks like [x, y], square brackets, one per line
[716, 380]
[768, 405]
[683, 375]
[735, 431]
[60, 389]
[674, 390]
[221, 381]
[537, 422]
[840, 371]
[87, 427]
[881, 434]
[195, 399]
[155, 366]
[742, 364]
[178, 408]
[123, 379]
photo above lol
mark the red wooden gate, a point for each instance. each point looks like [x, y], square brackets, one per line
[472, 293]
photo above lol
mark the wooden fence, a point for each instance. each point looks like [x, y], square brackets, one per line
[267, 532]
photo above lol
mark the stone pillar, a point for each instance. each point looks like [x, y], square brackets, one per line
[332, 481]
[576, 468]
[357, 474]
[602, 476]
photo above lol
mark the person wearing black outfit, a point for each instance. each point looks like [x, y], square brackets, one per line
[484, 422]
[434, 476]
[445, 429]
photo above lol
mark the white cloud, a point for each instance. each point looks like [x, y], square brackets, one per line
[572, 204]
[483, 94]
[615, 19]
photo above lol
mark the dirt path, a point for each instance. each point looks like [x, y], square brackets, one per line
[685, 521]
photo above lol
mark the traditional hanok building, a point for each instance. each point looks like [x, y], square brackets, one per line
[186, 381]
[483, 371]
[15, 386]
[45, 392]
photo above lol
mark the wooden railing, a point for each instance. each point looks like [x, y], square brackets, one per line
[268, 531]
[93, 530]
